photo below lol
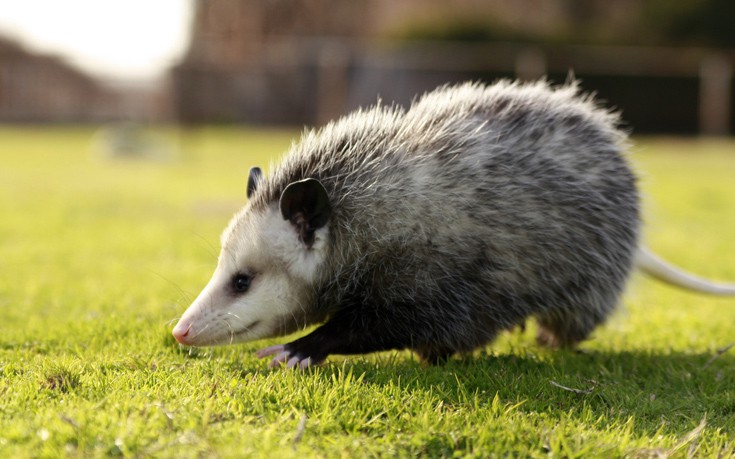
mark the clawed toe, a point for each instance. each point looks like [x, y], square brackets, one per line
[291, 361]
[279, 359]
[278, 348]
[298, 362]
[282, 356]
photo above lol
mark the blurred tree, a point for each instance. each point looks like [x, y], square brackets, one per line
[629, 22]
[696, 22]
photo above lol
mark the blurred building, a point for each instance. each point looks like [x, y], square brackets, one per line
[39, 88]
[306, 61]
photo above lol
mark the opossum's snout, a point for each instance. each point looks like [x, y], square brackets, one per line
[269, 262]
[181, 331]
[220, 314]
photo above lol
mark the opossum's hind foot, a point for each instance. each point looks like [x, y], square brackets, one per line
[282, 356]
[559, 334]
[549, 338]
[433, 356]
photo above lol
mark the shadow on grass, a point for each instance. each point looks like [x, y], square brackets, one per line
[667, 392]
[664, 392]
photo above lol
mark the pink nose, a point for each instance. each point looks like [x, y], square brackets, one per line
[181, 332]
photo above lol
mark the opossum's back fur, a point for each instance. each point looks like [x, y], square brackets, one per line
[470, 211]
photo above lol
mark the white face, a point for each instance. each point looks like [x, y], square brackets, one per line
[262, 285]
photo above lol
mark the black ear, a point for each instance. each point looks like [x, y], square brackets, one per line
[306, 205]
[253, 178]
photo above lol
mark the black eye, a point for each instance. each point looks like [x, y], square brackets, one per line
[240, 283]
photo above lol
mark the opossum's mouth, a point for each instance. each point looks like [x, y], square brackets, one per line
[204, 339]
[244, 330]
[231, 337]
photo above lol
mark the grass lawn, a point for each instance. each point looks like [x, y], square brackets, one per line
[98, 257]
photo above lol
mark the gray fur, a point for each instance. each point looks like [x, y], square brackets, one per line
[474, 209]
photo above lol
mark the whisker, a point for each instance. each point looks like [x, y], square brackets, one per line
[212, 249]
[232, 331]
[183, 293]
[173, 320]
[233, 315]
[200, 331]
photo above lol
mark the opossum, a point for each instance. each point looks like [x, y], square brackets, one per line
[433, 229]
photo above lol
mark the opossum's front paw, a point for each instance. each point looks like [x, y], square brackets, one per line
[283, 355]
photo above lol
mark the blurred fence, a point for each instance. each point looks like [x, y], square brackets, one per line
[662, 90]
[711, 70]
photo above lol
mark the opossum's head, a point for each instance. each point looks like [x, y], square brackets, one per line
[267, 270]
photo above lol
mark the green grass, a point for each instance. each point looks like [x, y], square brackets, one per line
[99, 257]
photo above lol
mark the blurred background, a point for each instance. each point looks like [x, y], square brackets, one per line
[667, 65]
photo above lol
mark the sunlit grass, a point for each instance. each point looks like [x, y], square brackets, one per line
[99, 256]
